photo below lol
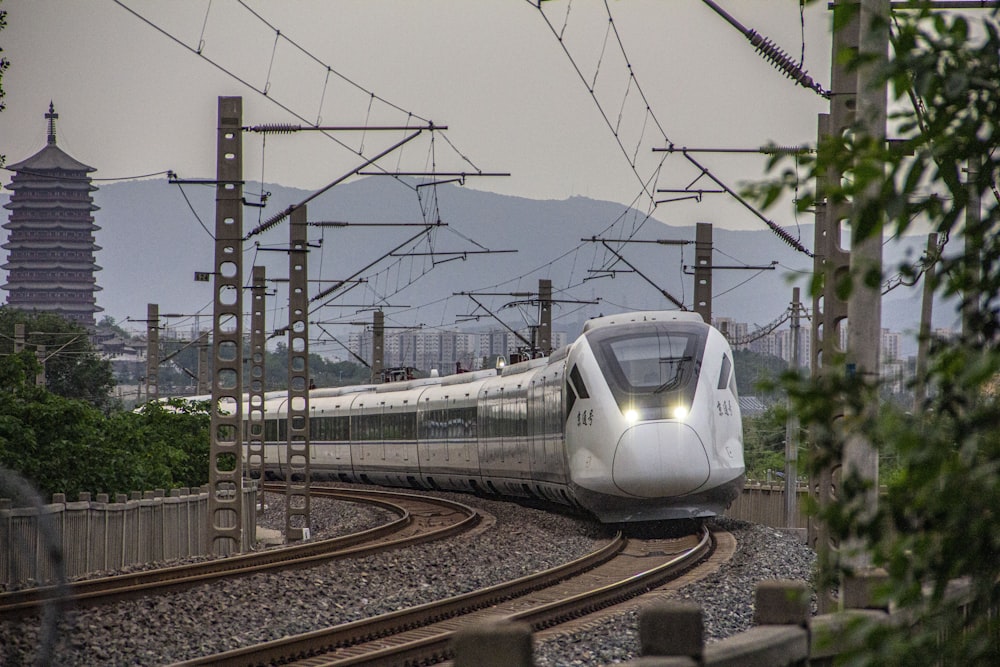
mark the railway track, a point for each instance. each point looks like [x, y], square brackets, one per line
[419, 519]
[622, 569]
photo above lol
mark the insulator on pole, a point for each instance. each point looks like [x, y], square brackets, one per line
[783, 62]
[275, 128]
[785, 150]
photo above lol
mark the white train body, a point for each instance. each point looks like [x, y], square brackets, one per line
[636, 420]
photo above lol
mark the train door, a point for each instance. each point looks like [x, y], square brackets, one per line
[366, 430]
[519, 422]
[555, 428]
[490, 425]
[536, 426]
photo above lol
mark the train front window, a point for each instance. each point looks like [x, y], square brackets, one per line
[651, 367]
[653, 363]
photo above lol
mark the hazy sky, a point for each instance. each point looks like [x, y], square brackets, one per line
[133, 101]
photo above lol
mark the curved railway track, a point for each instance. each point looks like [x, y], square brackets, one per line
[621, 570]
[419, 519]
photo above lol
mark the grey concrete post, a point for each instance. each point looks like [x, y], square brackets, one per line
[864, 308]
[782, 602]
[926, 317]
[494, 643]
[672, 629]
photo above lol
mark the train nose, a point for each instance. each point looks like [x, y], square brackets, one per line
[660, 459]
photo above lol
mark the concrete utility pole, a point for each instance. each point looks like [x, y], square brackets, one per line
[926, 317]
[831, 262]
[19, 343]
[225, 469]
[545, 317]
[152, 351]
[703, 271]
[297, 521]
[973, 248]
[40, 355]
[864, 308]
[378, 345]
[792, 427]
[203, 368]
[258, 376]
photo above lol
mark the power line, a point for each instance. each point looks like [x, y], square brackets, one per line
[633, 83]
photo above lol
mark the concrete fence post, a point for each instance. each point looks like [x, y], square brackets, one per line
[494, 643]
[77, 536]
[6, 557]
[782, 602]
[782, 636]
[671, 634]
[861, 590]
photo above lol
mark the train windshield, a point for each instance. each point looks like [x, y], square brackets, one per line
[651, 366]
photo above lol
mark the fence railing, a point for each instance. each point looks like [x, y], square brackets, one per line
[765, 504]
[108, 534]
[104, 533]
[671, 633]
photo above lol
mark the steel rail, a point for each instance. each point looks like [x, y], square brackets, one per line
[438, 621]
[409, 528]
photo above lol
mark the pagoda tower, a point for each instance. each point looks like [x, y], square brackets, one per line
[51, 247]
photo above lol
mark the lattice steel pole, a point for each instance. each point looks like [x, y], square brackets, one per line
[545, 316]
[255, 389]
[297, 522]
[203, 344]
[225, 470]
[40, 356]
[864, 308]
[152, 351]
[792, 427]
[703, 271]
[378, 345]
[832, 262]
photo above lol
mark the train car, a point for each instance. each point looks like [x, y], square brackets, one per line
[636, 420]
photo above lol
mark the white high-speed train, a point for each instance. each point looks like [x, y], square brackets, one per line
[636, 420]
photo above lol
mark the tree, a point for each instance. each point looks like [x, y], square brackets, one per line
[939, 518]
[324, 372]
[64, 445]
[73, 369]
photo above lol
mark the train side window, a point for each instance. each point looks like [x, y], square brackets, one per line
[319, 428]
[727, 367]
[341, 428]
[409, 430]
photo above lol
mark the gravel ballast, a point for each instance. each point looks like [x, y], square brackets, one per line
[216, 617]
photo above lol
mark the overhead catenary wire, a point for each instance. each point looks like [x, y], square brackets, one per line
[649, 114]
[265, 92]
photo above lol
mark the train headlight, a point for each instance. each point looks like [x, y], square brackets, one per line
[679, 413]
[631, 416]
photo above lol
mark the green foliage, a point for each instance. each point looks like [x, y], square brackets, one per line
[938, 518]
[177, 374]
[764, 443]
[64, 445]
[325, 373]
[73, 369]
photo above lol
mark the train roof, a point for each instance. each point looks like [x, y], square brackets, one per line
[643, 316]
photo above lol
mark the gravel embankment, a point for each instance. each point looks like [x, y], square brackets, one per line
[726, 598]
[217, 617]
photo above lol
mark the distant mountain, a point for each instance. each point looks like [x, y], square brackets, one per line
[155, 236]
